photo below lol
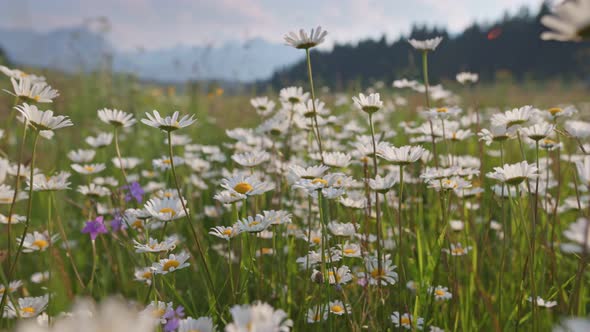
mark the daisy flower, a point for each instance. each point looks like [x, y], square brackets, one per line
[39, 277]
[453, 183]
[263, 105]
[495, 134]
[116, 117]
[440, 293]
[258, 317]
[168, 123]
[126, 163]
[81, 156]
[254, 224]
[338, 308]
[93, 190]
[32, 90]
[560, 112]
[144, 275]
[58, 181]
[293, 95]
[17, 73]
[538, 131]
[467, 77]
[384, 276]
[88, 169]
[514, 174]
[426, 45]
[37, 241]
[13, 286]
[310, 173]
[583, 168]
[401, 156]
[305, 41]
[171, 264]
[350, 249]
[7, 194]
[14, 219]
[229, 196]
[317, 314]
[368, 104]
[570, 21]
[441, 112]
[457, 250]
[157, 310]
[165, 163]
[246, 185]
[383, 184]
[223, 232]
[154, 245]
[201, 324]
[165, 209]
[337, 159]
[341, 229]
[341, 276]
[579, 233]
[27, 307]
[514, 117]
[42, 120]
[542, 303]
[101, 140]
[407, 321]
[251, 159]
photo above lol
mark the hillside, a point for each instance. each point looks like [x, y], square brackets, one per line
[510, 45]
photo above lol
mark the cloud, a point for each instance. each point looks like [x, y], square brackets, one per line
[156, 24]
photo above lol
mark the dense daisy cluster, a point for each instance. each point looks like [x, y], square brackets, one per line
[335, 212]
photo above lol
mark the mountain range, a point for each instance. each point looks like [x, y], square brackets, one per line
[77, 48]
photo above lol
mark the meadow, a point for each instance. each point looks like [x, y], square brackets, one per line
[461, 206]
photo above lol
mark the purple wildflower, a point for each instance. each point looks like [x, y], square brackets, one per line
[134, 192]
[117, 223]
[173, 318]
[95, 227]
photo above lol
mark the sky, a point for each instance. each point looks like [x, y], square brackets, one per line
[155, 24]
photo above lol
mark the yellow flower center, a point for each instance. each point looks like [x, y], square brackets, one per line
[243, 188]
[170, 264]
[137, 224]
[168, 194]
[254, 223]
[458, 251]
[37, 97]
[405, 320]
[316, 239]
[555, 110]
[266, 251]
[89, 168]
[28, 310]
[349, 251]
[548, 141]
[336, 308]
[442, 110]
[439, 292]
[319, 180]
[331, 274]
[147, 275]
[166, 161]
[41, 244]
[168, 210]
[227, 232]
[158, 312]
[377, 273]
